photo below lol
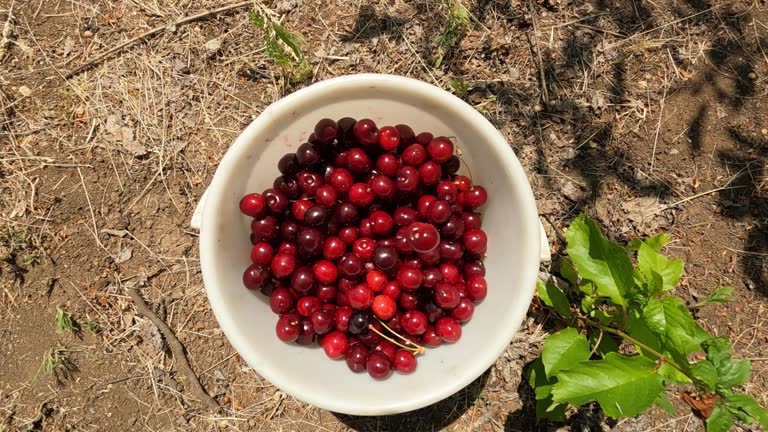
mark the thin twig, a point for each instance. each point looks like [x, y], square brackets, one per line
[155, 31]
[176, 348]
[684, 200]
[658, 125]
[535, 46]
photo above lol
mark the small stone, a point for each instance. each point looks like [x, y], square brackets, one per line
[752, 76]
[25, 91]
[87, 34]
[764, 131]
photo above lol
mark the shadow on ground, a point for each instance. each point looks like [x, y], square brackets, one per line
[431, 418]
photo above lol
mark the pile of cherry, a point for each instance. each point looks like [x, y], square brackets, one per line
[369, 242]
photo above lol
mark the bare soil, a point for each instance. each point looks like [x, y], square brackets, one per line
[650, 115]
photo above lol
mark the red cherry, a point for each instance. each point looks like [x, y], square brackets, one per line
[334, 344]
[384, 306]
[366, 132]
[414, 322]
[376, 280]
[325, 271]
[389, 139]
[477, 288]
[360, 297]
[404, 362]
[253, 205]
[440, 149]
[288, 327]
[448, 329]
[261, 253]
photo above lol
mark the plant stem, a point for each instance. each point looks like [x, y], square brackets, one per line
[645, 347]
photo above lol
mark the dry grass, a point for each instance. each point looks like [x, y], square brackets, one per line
[130, 145]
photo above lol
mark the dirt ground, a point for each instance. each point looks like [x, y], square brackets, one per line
[651, 115]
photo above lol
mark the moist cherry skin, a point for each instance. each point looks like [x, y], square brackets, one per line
[404, 361]
[432, 276]
[326, 196]
[265, 229]
[464, 310]
[450, 251]
[306, 333]
[289, 230]
[325, 271]
[424, 138]
[431, 338]
[414, 155]
[446, 191]
[404, 216]
[316, 215]
[307, 155]
[430, 173]
[408, 301]
[453, 229]
[334, 344]
[387, 348]
[475, 241]
[361, 195]
[287, 186]
[389, 138]
[341, 318]
[448, 329]
[364, 247]
[450, 273]
[385, 258]
[288, 165]
[346, 214]
[439, 212]
[378, 365]
[253, 205]
[357, 357]
[345, 133]
[423, 203]
[326, 130]
[276, 201]
[326, 293]
[475, 197]
[359, 321]
[452, 165]
[414, 322]
[341, 180]
[256, 276]
[446, 296]
[366, 132]
[384, 307]
[407, 136]
[349, 234]
[387, 164]
[383, 187]
[350, 266]
[440, 149]
[281, 300]
[392, 290]
[333, 248]
[432, 257]
[283, 265]
[471, 220]
[409, 278]
[477, 288]
[261, 253]
[310, 242]
[423, 237]
[358, 161]
[303, 281]
[472, 268]
[299, 209]
[360, 297]
[288, 327]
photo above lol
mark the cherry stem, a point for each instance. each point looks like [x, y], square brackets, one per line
[418, 349]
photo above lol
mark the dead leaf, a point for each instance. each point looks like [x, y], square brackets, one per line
[120, 132]
[572, 192]
[116, 233]
[702, 404]
[213, 46]
[123, 256]
[69, 43]
[150, 336]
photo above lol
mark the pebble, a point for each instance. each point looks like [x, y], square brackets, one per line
[764, 131]
[87, 34]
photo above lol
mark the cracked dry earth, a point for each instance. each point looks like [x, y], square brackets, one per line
[651, 115]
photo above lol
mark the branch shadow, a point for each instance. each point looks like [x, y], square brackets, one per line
[433, 417]
[370, 24]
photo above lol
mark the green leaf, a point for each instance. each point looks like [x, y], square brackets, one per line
[741, 403]
[654, 317]
[705, 374]
[671, 374]
[656, 242]
[664, 403]
[587, 303]
[718, 349]
[721, 420]
[568, 271]
[563, 350]
[636, 328]
[547, 409]
[733, 373]
[681, 334]
[542, 387]
[607, 344]
[293, 40]
[553, 297]
[599, 260]
[649, 261]
[623, 386]
[256, 19]
[719, 295]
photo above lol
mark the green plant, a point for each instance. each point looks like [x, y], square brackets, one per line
[65, 322]
[283, 46]
[456, 24]
[625, 338]
[56, 361]
[460, 87]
